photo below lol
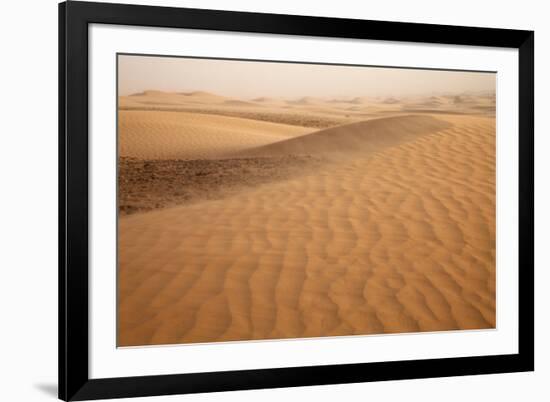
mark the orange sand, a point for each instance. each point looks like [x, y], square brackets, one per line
[394, 232]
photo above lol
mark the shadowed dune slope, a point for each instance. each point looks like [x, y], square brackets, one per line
[371, 136]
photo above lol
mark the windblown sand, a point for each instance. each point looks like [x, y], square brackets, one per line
[234, 228]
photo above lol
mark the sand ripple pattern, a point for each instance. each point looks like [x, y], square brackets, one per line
[402, 240]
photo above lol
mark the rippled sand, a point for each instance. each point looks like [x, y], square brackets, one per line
[385, 235]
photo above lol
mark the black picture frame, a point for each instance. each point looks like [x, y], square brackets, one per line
[74, 381]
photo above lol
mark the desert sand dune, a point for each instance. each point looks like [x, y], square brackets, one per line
[183, 135]
[273, 113]
[397, 240]
[183, 98]
[235, 102]
[265, 99]
[361, 100]
[151, 93]
[307, 111]
[365, 137]
[202, 95]
[455, 104]
[305, 100]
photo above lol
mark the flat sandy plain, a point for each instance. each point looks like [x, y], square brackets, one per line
[272, 218]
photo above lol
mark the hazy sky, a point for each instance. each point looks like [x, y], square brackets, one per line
[245, 79]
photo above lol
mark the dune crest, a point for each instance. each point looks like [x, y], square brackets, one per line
[365, 136]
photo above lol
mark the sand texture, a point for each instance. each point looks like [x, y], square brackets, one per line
[378, 219]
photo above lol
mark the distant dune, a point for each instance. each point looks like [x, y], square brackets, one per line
[306, 100]
[264, 99]
[307, 111]
[390, 101]
[235, 102]
[360, 100]
[151, 93]
[202, 94]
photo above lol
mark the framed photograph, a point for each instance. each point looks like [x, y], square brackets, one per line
[257, 201]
